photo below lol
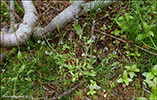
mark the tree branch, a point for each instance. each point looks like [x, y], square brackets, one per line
[66, 16]
[24, 29]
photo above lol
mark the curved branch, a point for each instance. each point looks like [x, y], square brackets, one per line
[24, 30]
[62, 19]
[97, 4]
[66, 16]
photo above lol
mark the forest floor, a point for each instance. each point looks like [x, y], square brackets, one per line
[69, 64]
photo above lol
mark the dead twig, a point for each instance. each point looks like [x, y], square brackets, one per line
[47, 8]
[127, 42]
[67, 92]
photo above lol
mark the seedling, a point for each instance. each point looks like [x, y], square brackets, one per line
[125, 78]
[132, 70]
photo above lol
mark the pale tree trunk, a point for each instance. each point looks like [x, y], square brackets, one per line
[77, 8]
[24, 31]
[18, 34]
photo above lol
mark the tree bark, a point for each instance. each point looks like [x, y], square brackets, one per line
[26, 28]
[24, 31]
[77, 8]
[20, 33]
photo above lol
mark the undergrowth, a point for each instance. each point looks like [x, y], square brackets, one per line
[102, 66]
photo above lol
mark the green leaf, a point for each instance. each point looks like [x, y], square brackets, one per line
[121, 25]
[131, 17]
[128, 67]
[90, 41]
[151, 33]
[121, 18]
[132, 74]
[151, 83]
[141, 98]
[78, 29]
[14, 79]
[22, 68]
[19, 55]
[28, 79]
[154, 70]
[71, 1]
[125, 75]
[91, 90]
[93, 73]
[145, 26]
[30, 71]
[145, 74]
[120, 80]
[155, 80]
[140, 37]
[149, 76]
[153, 97]
[155, 67]
[117, 32]
[93, 82]
[65, 47]
[127, 81]
[127, 16]
[115, 64]
[134, 68]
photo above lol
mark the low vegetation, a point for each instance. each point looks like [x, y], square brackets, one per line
[107, 54]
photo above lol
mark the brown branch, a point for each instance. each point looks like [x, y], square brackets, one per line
[10, 10]
[67, 92]
[126, 42]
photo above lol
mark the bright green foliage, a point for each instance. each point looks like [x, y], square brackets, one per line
[132, 70]
[19, 55]
[152, 74]
[91, 86]
[60, 63]
[78, 30]
[151, 80]
[123, 24]
[125, 78]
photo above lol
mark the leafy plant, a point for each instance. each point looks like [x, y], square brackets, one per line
[78, 29]
[151, 80]
[130, 52]
[91, 86]
[151, 75]
[132, 69]
[123, 24]
[58, 62]
[125, 78]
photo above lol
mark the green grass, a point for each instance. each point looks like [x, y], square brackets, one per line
[69, 61]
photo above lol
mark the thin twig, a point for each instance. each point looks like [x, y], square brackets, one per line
[10, 10]
[67, 92]
[127, 42]
[47, 8]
